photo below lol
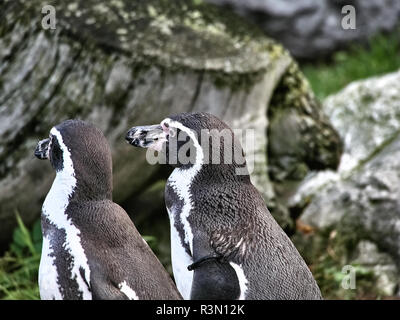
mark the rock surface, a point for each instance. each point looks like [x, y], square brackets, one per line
[122, 63]
[313, 28]
[363, 196]
[381, 264]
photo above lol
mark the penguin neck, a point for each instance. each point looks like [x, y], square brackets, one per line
[181, 180]
[189, 171]
[220, 173]
[93, 184]
[65, 182]
[66, 188]
[58, 198]
[84, 185]
[85, 173]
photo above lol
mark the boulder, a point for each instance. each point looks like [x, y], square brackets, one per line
[386, 273]
[313, 28]
[122, 63]
[362, 197]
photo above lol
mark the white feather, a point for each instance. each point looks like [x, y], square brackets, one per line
[180, 261]
[48, 277]
[242, 280]
[128, 291]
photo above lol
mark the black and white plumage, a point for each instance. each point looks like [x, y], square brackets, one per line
[220, 226]
[91, 248]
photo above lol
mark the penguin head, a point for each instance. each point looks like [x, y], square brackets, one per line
[189, 139]
[78, 150]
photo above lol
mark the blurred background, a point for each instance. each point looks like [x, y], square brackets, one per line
[318, 80]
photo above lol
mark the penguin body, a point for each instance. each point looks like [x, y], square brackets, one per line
[91, 248]
[220, 224]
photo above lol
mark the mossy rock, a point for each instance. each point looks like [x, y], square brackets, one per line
[122, 63]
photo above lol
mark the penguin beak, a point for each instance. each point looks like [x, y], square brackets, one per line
[152, 137]
[42, 149]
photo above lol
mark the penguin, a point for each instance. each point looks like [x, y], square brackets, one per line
[225, 244]
[91, 249]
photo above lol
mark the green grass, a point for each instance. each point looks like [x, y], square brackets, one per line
[380, 56]
[20, 265]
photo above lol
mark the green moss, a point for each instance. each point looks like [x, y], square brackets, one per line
[293, 91]
[172, 34]
[367, 98]
[236, 81]
[371, 156]
[317, 143]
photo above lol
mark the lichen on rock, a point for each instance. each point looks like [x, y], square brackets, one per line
[302, 137]
[362, 196]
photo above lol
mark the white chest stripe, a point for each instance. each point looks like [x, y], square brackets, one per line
[180, 261]
[242, 280]
[49, 289]
[128, 291]
[54, 210]
[181, 180]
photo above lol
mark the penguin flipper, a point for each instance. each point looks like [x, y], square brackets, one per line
[215, 280]
[214, 277]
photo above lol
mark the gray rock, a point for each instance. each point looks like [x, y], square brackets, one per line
[369, 199]
[313, 28]
[363, 195]
[368, 256]
[367, 115]
[301, 139]
[123, 63]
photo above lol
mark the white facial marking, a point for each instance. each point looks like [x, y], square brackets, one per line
[127, 290]
[48, 276]
[242, 280]
[180, 261]
[181, 179]
[54, 208]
